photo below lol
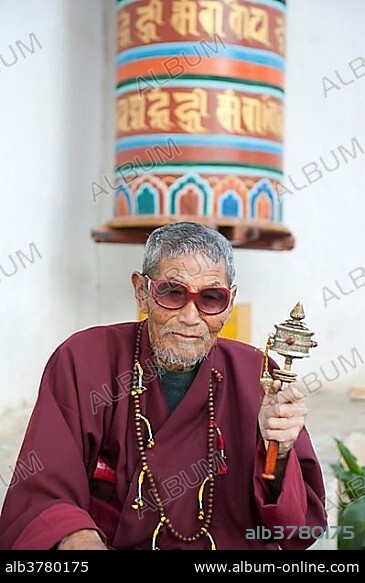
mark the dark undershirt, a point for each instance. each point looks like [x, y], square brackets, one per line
[175, 385]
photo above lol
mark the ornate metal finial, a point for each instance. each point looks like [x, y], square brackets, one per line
[297, 312]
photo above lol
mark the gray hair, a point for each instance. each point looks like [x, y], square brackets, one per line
[179, 239]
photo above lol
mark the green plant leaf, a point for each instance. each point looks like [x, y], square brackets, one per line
[353, 517]
[349, 459]
[348, 478]
[342, 474]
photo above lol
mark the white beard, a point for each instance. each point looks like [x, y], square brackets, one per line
[165, 358]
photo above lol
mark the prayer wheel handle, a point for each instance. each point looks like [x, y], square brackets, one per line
[292, 339]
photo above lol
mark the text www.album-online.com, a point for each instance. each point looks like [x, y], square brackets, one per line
[301, 567]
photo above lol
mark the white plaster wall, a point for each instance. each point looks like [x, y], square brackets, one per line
[52, 142]
[56, 120]
[328, 217]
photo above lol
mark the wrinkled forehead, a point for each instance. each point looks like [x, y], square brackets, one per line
[194, 269]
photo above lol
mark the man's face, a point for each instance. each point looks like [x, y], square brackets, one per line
[181, 338]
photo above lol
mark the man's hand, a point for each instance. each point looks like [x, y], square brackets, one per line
[82, 540]
[282, 417]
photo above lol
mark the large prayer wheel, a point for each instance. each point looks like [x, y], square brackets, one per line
[199, 119]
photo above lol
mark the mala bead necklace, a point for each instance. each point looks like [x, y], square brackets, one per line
[208, 484]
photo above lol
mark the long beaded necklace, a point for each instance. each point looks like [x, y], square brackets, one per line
[208, 482]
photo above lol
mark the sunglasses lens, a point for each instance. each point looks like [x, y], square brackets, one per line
[174, 295]
[213, 301]
[170, 294]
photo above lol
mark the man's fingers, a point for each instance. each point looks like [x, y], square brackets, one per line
[282, 423]
[276, 385]
[287, 395]
[290, 395]
[282, 435]
[289, 410]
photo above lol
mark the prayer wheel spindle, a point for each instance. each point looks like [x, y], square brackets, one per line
[292, 339]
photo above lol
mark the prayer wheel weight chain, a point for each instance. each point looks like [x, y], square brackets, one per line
[292, 339]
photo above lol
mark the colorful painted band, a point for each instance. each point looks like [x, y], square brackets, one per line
[171, 141]
[193, 194]
[257, 24]
[214, 83]
[200, 112]
[176, 67]
[191, 51]
[149, 157]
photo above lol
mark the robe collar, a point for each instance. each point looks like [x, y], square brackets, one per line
[153, 401]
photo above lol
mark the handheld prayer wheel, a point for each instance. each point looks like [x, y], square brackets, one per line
[292, 339]
[199, 119]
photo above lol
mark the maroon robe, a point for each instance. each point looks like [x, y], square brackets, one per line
[83, 411]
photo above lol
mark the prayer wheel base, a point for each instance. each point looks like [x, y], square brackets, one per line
[242, 233]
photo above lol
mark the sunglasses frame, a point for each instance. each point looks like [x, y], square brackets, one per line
[151, 284]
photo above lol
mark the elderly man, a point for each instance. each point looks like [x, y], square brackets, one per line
[151, 435]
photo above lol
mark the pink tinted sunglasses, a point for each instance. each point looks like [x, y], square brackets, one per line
[174, 295]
